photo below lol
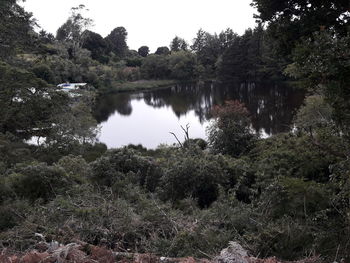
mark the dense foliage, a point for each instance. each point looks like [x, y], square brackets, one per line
[286, 196]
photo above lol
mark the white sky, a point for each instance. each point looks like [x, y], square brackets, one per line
[149, 22]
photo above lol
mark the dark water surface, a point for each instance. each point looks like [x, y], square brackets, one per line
[147, 117]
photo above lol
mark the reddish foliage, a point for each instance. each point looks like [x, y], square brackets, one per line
[231, 112]
[76, 254]
[103, 255]
[34, 257]
[230, 108]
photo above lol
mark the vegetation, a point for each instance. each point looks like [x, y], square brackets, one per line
[286, 196]
[140, 85]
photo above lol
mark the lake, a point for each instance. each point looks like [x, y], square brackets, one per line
[147, 118]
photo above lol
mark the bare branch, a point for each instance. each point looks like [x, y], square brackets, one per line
[176, 138]
[186, 131]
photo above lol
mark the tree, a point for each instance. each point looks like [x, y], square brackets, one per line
[315, 118]
[199, 41]
[242, 57]
[314, 114]
[178, 44]
[226, 38]
[74, 124]
[323, 62]
[182, 65]
[143, 51]
[43, 72]
[117, 41]
[71, 32]
[25, 110]
[32, 109]
[207, 47]
[15, 27]
[155, 67]
[162, 51]
[96, 45]
[75, 25]
[230, 64]
[46, 37]
[290, 20]
[312, 14]
[230, 133]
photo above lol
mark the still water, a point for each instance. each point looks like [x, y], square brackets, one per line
[147, 118]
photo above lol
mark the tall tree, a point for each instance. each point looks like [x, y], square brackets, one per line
[178, 44]
[199, 41]
[71, 32]
[226, 38]
[143, 51]
[155, 67]
[291, 19]
[15, 26]
[208, 49]
[75, 25]
[182, 65]
[324, 63]
[311, 13]
[117, 41]
[162, 51]
[96, 45]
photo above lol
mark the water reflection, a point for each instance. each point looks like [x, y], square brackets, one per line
[272, 107]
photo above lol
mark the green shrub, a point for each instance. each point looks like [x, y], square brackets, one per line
[125, 165]
[291, 156]
[230, 132]
[13, 213]
[188, 173]
[38, 180]
[45, 73]
[286, 238]
[7, 219]
[76, 167]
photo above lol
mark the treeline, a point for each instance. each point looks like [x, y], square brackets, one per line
[77, 54]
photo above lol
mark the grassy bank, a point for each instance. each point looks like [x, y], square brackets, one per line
[141, 85]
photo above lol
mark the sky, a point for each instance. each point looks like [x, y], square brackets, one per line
[152, 23]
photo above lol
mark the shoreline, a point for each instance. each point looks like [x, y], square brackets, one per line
[139, 85]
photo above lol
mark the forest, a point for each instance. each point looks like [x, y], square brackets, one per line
[286, 196]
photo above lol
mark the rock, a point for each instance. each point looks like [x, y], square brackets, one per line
[41, 246]
[235, 253]
[53, 245]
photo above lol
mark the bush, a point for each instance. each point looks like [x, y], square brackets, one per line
[13, 212]
[38, 180]
[7, 219]
[291, 156]
[125, 165]
[182, 65]
[45, 73]
[193, 174]
[230, 133]
[76, 167]
[155, 67]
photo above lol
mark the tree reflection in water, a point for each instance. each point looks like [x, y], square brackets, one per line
[272, 106]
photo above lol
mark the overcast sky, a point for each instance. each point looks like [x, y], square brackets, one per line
[149, 22]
